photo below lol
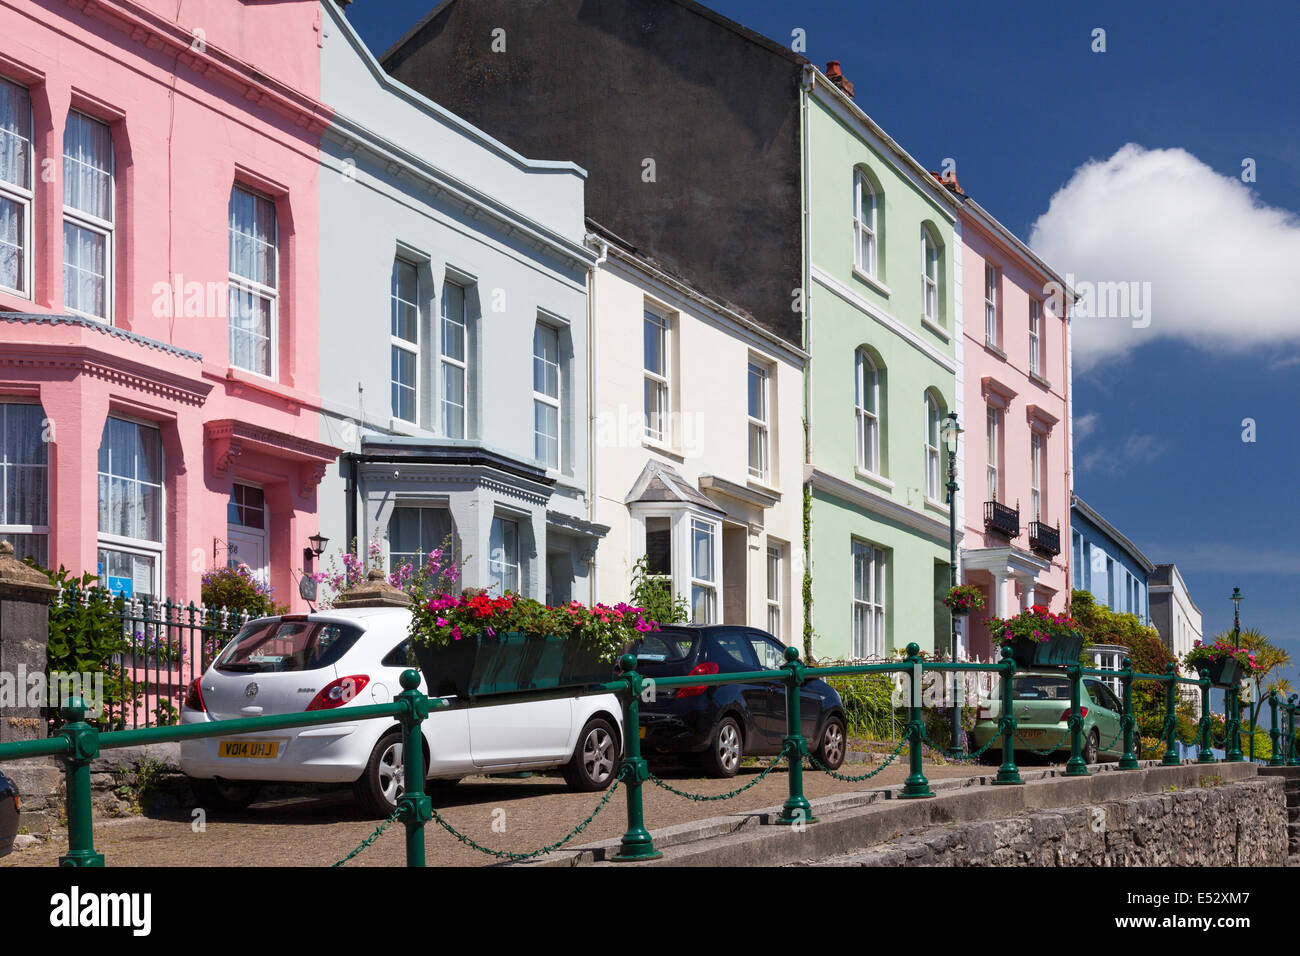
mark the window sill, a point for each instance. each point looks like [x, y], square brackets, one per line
[874, 478]
[762, 486]
[1039, 380]
[663, 449]
[935, 327]
[990, 347]
[401, 426]
[936, 505]
[872, 281]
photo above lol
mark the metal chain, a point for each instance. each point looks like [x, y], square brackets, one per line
[508, 855]
[368, 841]
[859, 778]
[704, 798]
[966, 756]
[1050, 750]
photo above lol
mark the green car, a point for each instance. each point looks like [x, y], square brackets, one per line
[1041, 704]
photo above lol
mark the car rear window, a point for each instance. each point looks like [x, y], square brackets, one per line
[1031, 687]
[279, 645]
[665, 647]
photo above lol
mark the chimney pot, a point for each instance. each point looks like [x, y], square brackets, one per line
[836, 76]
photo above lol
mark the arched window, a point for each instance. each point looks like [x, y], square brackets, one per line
[933, 432]
[929, 276]
[867, 411]
[865, 231]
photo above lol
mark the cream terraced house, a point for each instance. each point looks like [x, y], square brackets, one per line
[698, 446]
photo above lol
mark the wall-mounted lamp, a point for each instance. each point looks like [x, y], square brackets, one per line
[314, 549]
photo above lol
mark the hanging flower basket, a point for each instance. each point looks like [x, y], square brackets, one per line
[1038, 638]
[473, 646]
[963, 599]
[1225, 672]
[1226, 664]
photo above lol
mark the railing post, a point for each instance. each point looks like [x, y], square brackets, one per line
[83, 747]
[1171, 757]
[1206, 755]
[416, 807]
[916, 784]
[1233, 743]
[797, 809]
[1076, 766]
[1008, 773]
[637, 844]
[1291, 758]
[1276, 759]
[1129, 760]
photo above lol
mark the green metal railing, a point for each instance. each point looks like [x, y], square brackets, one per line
[78, 743]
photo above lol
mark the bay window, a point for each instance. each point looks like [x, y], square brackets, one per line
[253, 279]
[704, 579]
[24, 481]
[15, 188]
[503, 556]
[775, 570]
[131, 508]
[415, 532]
[87, 217]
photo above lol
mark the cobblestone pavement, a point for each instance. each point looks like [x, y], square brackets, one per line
[319, 829]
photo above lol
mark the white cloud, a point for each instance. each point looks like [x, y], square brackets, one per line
[1085, 425]
[1135, 449]
[1220, 265]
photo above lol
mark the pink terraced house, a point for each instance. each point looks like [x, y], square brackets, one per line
[159, 409]
[1015, 387]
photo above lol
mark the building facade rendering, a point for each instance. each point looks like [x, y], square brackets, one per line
[1107, 564]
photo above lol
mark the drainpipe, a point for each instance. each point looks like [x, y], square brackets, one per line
[592, 395]
[809, 82]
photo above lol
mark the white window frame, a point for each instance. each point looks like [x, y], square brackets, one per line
[22, 197]
[658, 381]
[775, 571]
[1035, 337]
[865, 218]
[498, 566]
[268, 293]
[447, 361]
[758, 434]
[990, 304]
[398, 343]
[933, 429]
[551, 401]
[706, 586]
[867, 413]
[6, 470]
[142, 546]
[1035, 475]
[929, 283]
[92, 223]
[993, 426]
[868, 621]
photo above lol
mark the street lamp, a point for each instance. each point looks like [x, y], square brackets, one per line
[950, 432]
[1234, 754]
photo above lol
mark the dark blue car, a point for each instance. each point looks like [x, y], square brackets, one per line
[8, 814]
[717, 726]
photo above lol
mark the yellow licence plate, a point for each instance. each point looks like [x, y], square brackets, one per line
[264, 749]
[643, 733]
[1031, 734]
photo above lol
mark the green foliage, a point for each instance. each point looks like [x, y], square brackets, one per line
[236, 589]
[86, 632]
[1101, 625]
[868, 704]
[654, 594]
[807, 574]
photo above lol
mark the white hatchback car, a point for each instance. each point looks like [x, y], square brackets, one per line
[329, 660]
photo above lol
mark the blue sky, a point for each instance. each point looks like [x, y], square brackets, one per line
[1014, 93]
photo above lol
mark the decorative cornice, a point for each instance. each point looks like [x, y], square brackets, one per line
[877, 503]
[83, 360]
[161, 35]
[749, 495]
[230, 438]
[996, 392]
[1040, 419]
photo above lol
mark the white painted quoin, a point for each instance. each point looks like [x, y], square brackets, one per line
[453, 337]
[698, 446]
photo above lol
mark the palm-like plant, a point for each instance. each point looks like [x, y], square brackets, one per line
[1269, 659]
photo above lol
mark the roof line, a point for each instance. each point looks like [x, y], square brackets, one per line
[1095, 517]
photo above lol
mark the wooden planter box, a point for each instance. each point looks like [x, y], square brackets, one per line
[1225, 672]
[509, 663]
[1060, 651]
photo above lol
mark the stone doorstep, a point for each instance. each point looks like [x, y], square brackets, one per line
[861, 819]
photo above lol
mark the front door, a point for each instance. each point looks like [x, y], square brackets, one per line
[246, 531]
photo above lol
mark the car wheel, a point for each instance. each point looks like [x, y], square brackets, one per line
[224, 794]
[595, 757]
[383, 781]
[722, 759]
[830, 752]
[1091, 746]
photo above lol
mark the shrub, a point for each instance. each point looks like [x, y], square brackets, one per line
[237, 589]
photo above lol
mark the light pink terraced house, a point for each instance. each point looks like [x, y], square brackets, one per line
[159, 409]
[1015, 383]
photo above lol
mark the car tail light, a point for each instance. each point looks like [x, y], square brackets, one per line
[338, 692]
[697, 669]
[194, 696]
[1065, 714]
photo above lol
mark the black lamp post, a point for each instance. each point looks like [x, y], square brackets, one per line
[1234, 754]
[950, 432]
